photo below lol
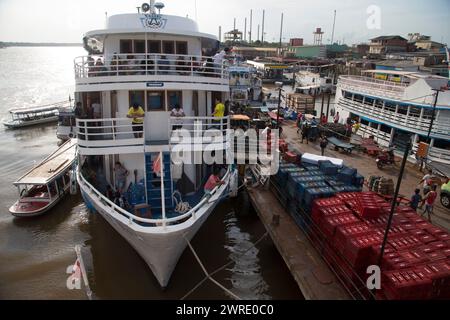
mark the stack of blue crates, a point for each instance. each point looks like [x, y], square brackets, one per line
[297, 186]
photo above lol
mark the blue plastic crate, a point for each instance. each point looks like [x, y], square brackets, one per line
[328, 168]
[358, 180]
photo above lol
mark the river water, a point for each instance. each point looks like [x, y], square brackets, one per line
[35, 253]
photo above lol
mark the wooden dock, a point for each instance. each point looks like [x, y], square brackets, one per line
[313, 276]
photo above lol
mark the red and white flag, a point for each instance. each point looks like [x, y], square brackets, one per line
[157, 165]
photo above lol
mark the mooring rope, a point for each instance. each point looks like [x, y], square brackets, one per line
[209, 275]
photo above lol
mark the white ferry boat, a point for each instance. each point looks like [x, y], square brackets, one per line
[245, 85]
[156, 61]
[396, 106]
[313, 83]
[27, 117]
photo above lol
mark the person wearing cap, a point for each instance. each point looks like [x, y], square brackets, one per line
[137, 113]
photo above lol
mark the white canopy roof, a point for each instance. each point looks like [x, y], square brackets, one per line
[51, 167]
[34, 110]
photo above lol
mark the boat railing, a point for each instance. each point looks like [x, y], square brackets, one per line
[373, 86]
[151, 64]
[200, 127]
[100, 131]
[122, 132]
[411, 122]
[153, 223]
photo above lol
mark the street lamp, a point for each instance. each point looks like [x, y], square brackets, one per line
[279, 85]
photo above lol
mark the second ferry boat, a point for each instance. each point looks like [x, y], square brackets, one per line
[396, 107]
[127, 171]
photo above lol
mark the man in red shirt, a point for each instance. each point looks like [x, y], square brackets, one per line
[429, 201]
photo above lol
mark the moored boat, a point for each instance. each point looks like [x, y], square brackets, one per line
[128, 172]
[26, 117]
[42, 187]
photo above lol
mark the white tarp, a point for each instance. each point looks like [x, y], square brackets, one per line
[314, 159]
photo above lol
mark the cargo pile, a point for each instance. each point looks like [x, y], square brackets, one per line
[416, 263]
[298, 184]
[348, 226]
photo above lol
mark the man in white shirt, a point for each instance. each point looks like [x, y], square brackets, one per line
[97, 110]
[178, 114]
[219, 57]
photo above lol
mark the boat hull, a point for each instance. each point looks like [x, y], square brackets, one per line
[33, 211]
[15, 125]
[160, 250]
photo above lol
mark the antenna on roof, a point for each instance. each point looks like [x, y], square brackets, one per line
[159, 6]
[151, 7]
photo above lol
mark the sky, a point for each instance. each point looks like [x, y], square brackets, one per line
[356, 20]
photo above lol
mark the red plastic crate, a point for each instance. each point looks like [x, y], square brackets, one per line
[329, 225]
[358, 251]
[403, 243]
[345, 233]
[326, 212]
[406, 284]
[290, 157]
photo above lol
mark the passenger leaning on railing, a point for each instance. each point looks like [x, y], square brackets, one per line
[137, 113]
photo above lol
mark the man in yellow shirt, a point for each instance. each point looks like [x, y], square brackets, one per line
[219, 111]
[137, 113]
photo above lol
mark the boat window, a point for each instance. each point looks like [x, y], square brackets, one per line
[155, 101]
[358, 98]
[168, 47]
[403, 110]
[385, 129]
[174, 98]
[138, 97]
[154, 46]
[441, 144]
[414, 112]
[389, 106]
[139, 46]
[126, 46]
[368, 101]
[427, 113]
[182, 47]
[364, 122]
[379, 103]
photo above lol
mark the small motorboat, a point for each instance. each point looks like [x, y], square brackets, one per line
[26, 117]
[46, 184]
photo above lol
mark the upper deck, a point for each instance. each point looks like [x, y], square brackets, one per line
[148, 49]
[409, 87]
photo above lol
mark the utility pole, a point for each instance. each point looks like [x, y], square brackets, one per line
[334, 25]
[262, 31]
[436, 97]
[394, 202]
[251, 25]
[281, 31]
[245, 29]
[328, 106]
[258, 32]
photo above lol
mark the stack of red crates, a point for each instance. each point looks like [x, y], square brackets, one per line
[416, 263]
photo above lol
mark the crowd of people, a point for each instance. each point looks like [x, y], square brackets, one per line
[161, 64]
